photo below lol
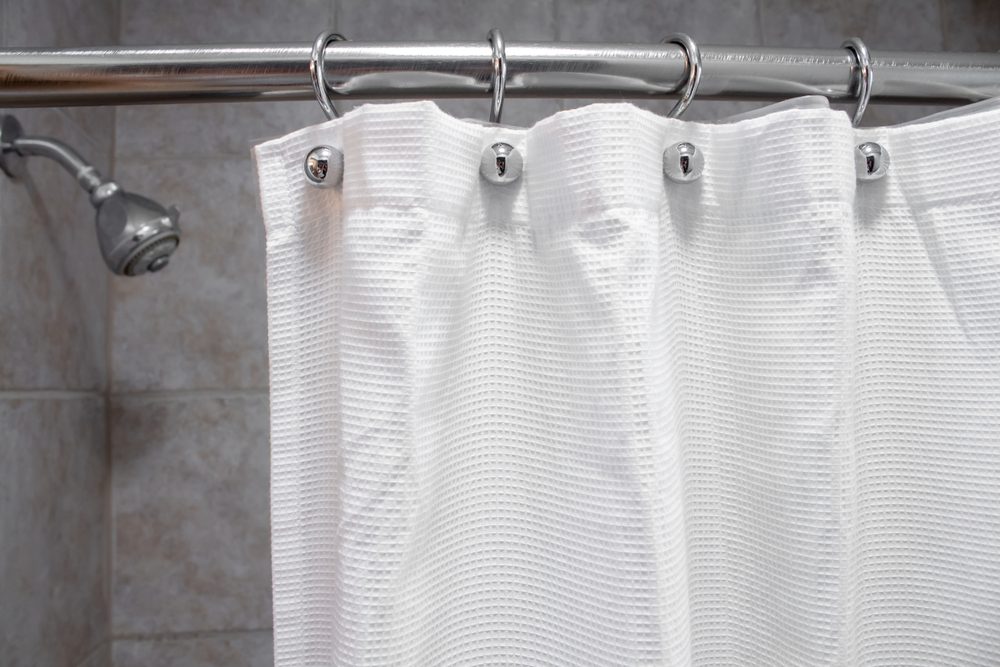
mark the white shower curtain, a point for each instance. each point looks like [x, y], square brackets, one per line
[597, 417]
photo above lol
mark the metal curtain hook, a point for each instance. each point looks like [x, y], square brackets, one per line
[317, 73]
[498, 81]
[693, 55]
[862, 85]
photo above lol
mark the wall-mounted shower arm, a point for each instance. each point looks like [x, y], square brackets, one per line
[85, 173]
[408, 70]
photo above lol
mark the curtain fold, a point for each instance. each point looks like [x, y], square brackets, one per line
[596, 417]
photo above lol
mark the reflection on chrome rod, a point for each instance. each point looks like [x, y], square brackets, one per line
[408, 70]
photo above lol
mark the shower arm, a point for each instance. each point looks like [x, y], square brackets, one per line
[86, 174]
[35, 77]
[14, 146]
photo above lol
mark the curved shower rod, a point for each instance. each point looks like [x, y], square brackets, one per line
[31, 77]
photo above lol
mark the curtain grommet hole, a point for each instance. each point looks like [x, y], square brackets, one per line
[683, 162]
[871, 160]
[501, 163]
[324, 167]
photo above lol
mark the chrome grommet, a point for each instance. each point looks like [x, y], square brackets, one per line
[324, 166]
[871, 161]
[683, 162]
[501, 163]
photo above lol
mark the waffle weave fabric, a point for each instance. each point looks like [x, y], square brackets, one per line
[595, 417]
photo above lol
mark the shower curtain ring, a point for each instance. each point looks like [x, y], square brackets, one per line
[317, 71]
[498, 81]
[693, 56]
[862, 85]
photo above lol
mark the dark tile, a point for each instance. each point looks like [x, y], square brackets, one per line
[53, 281]
[152, 22]
[971, 25]
[201, 323]
[245, 649]
[207, 130]
[725, 22]
[445, 20]
[54, 522]
[892, 25]
[190, 506]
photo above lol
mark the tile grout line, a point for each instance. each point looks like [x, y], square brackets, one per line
[181, 394]
[109, 380]
[49, 394]
[109, 310]
[92, 651]
[188, 634]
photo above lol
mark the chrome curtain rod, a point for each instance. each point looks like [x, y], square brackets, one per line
[406, 70]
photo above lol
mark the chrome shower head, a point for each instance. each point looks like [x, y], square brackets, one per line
[136, 234]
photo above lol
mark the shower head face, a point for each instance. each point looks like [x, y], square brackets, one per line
[137, 235]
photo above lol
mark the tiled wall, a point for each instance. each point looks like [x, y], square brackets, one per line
[187, 366]
[54, 459]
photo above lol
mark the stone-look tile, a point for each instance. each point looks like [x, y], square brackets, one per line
[153, 22]
[445, 20]
[724, 22]
[971, 25]
[53, 281]
[246, 649]
[190, 506]
[98, 123]
[99, 657]
[890, 25]
[207, 130]
[62, 23]
[54, 290]
[201, 323]
[54, 528]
